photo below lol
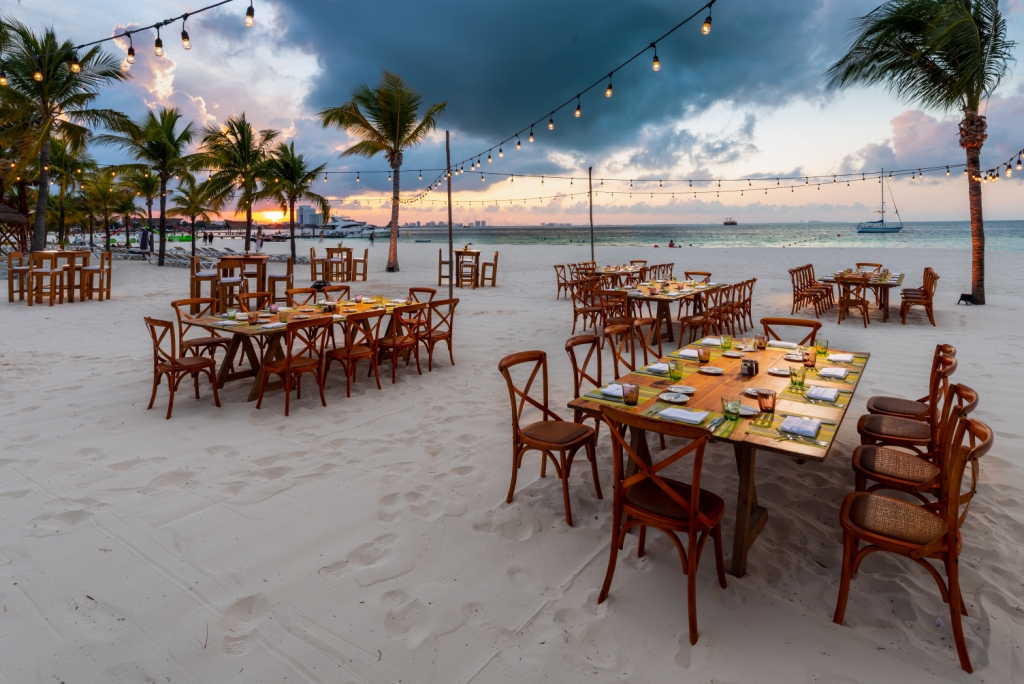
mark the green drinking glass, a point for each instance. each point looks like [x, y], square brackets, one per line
[821, 346]
[675, 371]
[797, 375]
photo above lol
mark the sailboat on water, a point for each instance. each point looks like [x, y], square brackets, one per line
[881, 226]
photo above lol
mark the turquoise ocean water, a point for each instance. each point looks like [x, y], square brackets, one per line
[1000, 235]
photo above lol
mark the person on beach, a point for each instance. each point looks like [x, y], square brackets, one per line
[671, 244]
[372, 233]
[321, 237]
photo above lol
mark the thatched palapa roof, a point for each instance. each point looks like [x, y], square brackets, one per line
[12, 217]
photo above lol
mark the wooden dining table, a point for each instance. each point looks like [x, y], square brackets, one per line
[882, 286]
[72, 257]
[468, 255]
[258, 260]
[747, 435]
[243, 336]
[664, 302]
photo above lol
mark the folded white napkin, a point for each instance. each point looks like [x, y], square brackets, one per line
[658, 368]
[613, 390]
[840, 373]
[841, 358]
[805, 427]
[687, 354]
[683, 416]
[711, 342]
[779, 344]
[229, 323]
[279, 324]
[823, 393]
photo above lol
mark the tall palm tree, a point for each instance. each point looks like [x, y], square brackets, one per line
[56, 106]
[126, 210]
[385, 120]
[944, 55]
[157, 143]
[193, 201]
[238, 155]
[145, 185]
[103, 195]
[289, 179]
[68, 163]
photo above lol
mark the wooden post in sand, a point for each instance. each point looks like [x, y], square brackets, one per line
[590, 193]
[448, 172]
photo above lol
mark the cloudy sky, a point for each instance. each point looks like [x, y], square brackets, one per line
[745, 101]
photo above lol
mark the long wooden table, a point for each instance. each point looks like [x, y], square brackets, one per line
[243, 334]
[664, 302]
[747, 435]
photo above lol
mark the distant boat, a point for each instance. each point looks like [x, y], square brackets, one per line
[730, 222]
[881, 226]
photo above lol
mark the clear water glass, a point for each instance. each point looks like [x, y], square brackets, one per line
[797, 375]
[726, 342]
[821, 346]
[731, 407]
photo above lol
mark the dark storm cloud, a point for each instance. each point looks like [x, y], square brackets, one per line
[500, 65]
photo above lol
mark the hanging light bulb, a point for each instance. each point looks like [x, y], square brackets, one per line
[519, 143]
[357, 176]
[482, 179]
[706, 27]
[38, 73]
[551, 124]
[185, 42]
[512, 178]
[3, 78]
[608, 90]
[501, 153]
[947, 172]
[250, 16]
[578, 110]
[421, 175]
[531, 133]
[76, 66]
[1018, 158]
[389, 175]
[131, 50]
[1009, 172]
[656, 64]
[158, 46]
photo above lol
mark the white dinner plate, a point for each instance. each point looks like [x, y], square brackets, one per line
[673, 397]
[748, 411]
[732, 355]
[751, 391]
[715, 370]
[781, 372]
[682, 389]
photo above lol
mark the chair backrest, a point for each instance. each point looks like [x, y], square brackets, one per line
[560, 274]
[521, 398]
[648, 335]
[412, 319]
[958, 403]
[290, 267]
[18, 259]
[638, 262]
[421, 294]
[869, 267]
[183, 307]
[584, 372]
[253, 301]
[441, 317]
[226, 267]
[623, 346]
[770, 324]
[852, 287]
[938, 389]
[440, 258]
[495, 260]
[613, 303]
[43, 261]
[194, 265]
[301, 296]
[106, 261]
[162, 333]
[931, 282]
[697, 438]
[305, 339]
[335, 293]
[363, 329]
[699, 276]
[312, 254]
[972, 440]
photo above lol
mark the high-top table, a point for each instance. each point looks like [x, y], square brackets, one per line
[252, 259]
[71, 256]
[466, 255]
[747, 435]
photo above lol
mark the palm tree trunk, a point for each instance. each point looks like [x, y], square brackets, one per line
[291, 224]
[60, 220]
[92, 227]
[393, 249]
[248, 226]
[193, 237]
[39, 228]
[149, 223]
[106, 229]
[977, 225]
[163, 219]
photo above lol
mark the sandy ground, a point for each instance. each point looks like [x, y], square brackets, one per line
[370, 541]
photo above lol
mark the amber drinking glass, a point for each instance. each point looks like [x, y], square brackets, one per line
[760, 342]
[810, 358]
[630, 394]
[766, 400]
[703, 355]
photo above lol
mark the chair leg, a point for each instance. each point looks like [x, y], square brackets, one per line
[613, 554]
[213, 384]
[955, 601]
[592, 457]
[691, 590]
[641, 542]
[156, 383]
[515, 471]
[844, 578]
[565, 487]
[172, 385]
[716, 537]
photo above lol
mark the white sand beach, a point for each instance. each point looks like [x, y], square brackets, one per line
[370, 541]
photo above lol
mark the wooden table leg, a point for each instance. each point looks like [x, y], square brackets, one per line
[884, 302]
[665, 314]
[71, 279]
[227, 363]
[274, 352]
[750, 517]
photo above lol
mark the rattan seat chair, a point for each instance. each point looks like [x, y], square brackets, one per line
[916, 409]
[187, 310]
[769, 325]
[166, 362]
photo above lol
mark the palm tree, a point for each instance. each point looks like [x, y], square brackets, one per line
[385, 120]
[238, 156]
[67, 164]
[56, 106]
[290, 179]
[944, 55]
[103, 195]
[156, 142]
[145, 185]
[127, 210]
[193, 202]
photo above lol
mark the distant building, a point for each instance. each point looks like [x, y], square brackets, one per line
[480, 224]
[307, 216]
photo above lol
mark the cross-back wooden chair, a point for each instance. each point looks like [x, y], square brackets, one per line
[868, 267]
[587, 372]
[410, 327]
[301, 296]
[853, 295]
[359, 342]
[561, 280]
[623, 345]
[421, 294]
[336, 293]
[18, 267]
[648, 338]
[206, 342]
[698, 276]
[548, 435]
[254, 301]
[440, 328]
[770, 325]
[924, 297]
[920, 533]
[745, 307]
[704, 322]
[916, 409]
[615, 308]
[579, 290]
[907, 472]
[918, 436]
[303, 353]
[646, 498]
[166, 362]
[287, 279]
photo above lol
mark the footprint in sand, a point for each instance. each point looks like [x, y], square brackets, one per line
[371, 563]
[240, 622]
[414, 620]
[422, 501]
[65, 516]
[512, 523]
[458, 471]
[692, 658]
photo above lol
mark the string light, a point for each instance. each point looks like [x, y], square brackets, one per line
[655, 65]
[501, 153]
[531, 133]
[706, 27]
[357, 176]
[947, 172]
[158, 46]
[250, 16]
[608, 90]
[3, 78]
[551, 124]
[482, 179]
[421, 175]
[488, 157]
[38, 73]
[76, 66]
[131, 49]
[185, 42]
[578, 111]
[519, 143]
